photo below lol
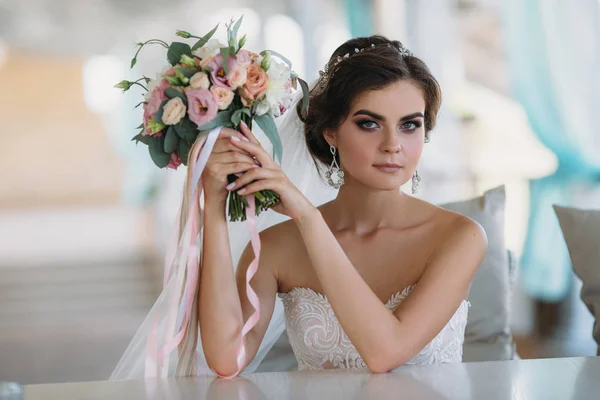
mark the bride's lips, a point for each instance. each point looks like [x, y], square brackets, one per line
[390, 168]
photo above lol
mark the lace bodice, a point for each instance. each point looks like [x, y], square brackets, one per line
[319, 341]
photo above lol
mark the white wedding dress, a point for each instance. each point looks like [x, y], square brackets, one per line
[319, 342]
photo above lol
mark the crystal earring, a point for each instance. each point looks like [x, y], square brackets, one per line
[427, 138]
[416, 178]
[334, 169]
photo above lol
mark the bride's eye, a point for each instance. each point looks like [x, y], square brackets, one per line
[411, 125]
[367, 125]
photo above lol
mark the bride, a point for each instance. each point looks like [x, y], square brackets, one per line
[371, 280]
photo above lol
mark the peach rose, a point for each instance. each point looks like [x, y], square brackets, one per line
[199, 80]
[173, 111]
[256, 84]
[224, 96]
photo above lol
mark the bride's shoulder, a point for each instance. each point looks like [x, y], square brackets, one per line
[452, 225]
[281, 237]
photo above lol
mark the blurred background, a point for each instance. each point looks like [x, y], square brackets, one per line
[84, 213]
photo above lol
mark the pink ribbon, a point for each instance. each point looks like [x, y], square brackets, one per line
[179, 309]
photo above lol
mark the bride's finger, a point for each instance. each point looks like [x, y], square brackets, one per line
[231, 157]
[253, 175]
[256, 150]
[248, 133]
[224, 145]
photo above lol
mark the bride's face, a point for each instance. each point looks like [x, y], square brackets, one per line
[384, 126]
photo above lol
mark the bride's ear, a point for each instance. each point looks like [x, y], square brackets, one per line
[330, 137]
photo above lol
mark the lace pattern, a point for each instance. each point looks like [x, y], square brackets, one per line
[319, 342]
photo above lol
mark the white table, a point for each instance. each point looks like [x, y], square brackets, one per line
[544, 379]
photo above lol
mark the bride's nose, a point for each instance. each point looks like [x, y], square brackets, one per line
[391, 142]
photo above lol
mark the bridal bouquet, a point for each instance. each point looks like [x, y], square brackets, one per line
[207, 85]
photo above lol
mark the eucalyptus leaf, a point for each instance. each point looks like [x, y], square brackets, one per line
[266, 123]
[140, 126]
[171, 140]
[236, 28]
[186, 130]
[225, 54]
[236, 118]
[222, 119]
[142, 138]
[204, 39]
[176, 50]
[160, 158]
[161, 109]
[171, 93]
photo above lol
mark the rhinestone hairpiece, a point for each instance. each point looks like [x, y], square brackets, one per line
[325, 76]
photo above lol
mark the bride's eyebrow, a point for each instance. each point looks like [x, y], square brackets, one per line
[382, 118]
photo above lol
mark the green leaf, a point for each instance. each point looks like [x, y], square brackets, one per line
[186, 130]
[160, 158]
[222, 119]
[266, 123]
[133, 62]
[173, 80]
[140, 126]
[236, 118]
[171, 93]
[236, 28]
[176, 50]
[161, 109]
[142, 138]
[183, 150]
[187, 72]
[274, 53]
[247, 112]
[242, 42]
[202, 41]
[171, 140]
[305, 95]
[225, 55]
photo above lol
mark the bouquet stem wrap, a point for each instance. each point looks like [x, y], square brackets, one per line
[180, 330]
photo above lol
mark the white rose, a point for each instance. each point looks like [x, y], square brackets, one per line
[278, 72]
[224, 96]
[210, 49]
[278, 95]
[199, 81]
[174, 111]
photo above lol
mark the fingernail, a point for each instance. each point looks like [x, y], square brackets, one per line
[230, 186]
[242, 191]
[254, 166]
[235, 138]
[243, 124]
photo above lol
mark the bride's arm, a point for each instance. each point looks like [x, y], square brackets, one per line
[221, 312]
[387, 340]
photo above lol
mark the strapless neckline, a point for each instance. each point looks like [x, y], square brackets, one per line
[393, 301]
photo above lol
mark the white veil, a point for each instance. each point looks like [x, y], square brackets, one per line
[300, 169]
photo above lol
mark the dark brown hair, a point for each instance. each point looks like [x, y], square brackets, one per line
[377, 66]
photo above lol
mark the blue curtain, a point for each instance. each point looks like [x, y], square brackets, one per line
[359, 14]
[553, 49]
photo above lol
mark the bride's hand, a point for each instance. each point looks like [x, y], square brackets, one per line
[224, 160]
[269, 176]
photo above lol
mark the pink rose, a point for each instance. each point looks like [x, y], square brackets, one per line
[151, 108]
[217, 72]
[243, 57]
[237, 77]
[175, 161]
[256, 84]
[202, 106]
